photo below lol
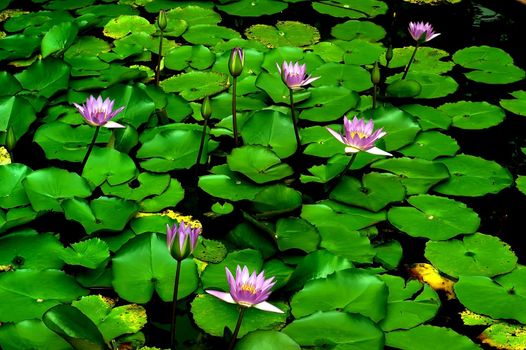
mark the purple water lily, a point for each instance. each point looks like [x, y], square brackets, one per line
[181, 239]
[294, 75]
[422, 32]
[247, 290]
[359, 136]
[99, 113]
[236, 61]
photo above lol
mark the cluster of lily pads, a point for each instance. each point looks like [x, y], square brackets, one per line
[147, 150]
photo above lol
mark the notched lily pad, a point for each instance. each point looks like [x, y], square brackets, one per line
[285, 33]
[195, 85]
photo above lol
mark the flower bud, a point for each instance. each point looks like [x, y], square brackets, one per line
[181, 240]
[162, 22]
[375, 74]
[206, 108]
[236, 61]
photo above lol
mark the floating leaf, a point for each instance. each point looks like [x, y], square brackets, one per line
[30, 334]
[123, 25]
[254, 8]
[195, 85]
[473, 115]
[353, 29]
[517, 105]
[433, 85]
[434, 217]
[45, 77]
[350, 8]
[59, 38]
[295, 233]
[427, 59]
[89, 253]
[228, 185]
[206, 34]
[106, 164]
[12, 193]
[267, 340]
[430, 145]
[335, 74]
[258, 163]
[435, 338]
[285, 33]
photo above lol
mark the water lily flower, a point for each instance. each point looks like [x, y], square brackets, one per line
[181, 239]
[360, 136]
[236, 61]
[247, 290]
[294, 76]
[99, 113]
[422, 32]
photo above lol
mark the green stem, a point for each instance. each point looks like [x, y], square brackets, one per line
[174, 304]
[234, 110]
[97, 129]
[236, 331]
[410, 62]
[159, 57]
[375, 93]
[201, 145]
[347, 167]
[294, 120]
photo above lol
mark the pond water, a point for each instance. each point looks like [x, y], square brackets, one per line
[410, 241]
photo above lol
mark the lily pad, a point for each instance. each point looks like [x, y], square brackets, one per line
[473, 176]
[430, 145]
[253, 8]
[45, 77]
[475, 255]
[473, 115]
[351, 9]
[285, 33]
[517, 105]
[428, 117]
[434, 217]
[195, 85]
[433, 85]
[335, 74]
[12, 193]
[258, 163]
[353, 29]
[328, 103]
[267, 340]
[226, 184]
[427, 60]
[296, 233]
[207, 34]
[89, 253]
[106, 164]
[435, 338]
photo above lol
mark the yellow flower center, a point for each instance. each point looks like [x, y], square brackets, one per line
[249, 288]
[360, 134]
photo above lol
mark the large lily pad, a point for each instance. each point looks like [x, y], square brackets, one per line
[258, 163]
[350, 8]
[435, 338]
[287, 33]
[473, 115]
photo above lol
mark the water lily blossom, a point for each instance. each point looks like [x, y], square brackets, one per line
[360, 135]
[294, 75]
[236, 61]
[181, 239]
[422, 32]
[247, 290]
[99, 113]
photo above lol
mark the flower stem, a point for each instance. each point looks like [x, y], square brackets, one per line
[201, 145]
[294, 120]
[342, 174]
[410, 62]
[97, 129]
[234, 110]
[236, 331]
[375, 93]
[174, 304]
[159, 57]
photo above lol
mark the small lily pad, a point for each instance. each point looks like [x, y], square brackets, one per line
[353, 29]
[295, 233]
[254, 8]
[351, 9]
[89, 253]
[258, 163]
[195, 85]
[517, 105]
[286, 33]
[335, 74]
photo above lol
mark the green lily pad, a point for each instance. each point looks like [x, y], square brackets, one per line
[17, 113]
[209, 35]
[191, 14]
[12, 193]
[348, 330]
[435, 338]
[427, 59]
[347, 243]
[195, 85]
[58, 38]
[504, 336]
[267, 340]
[336, 74]
[285, 33]
[273, 85]
[123, 25]
[106, 164]
[434, 217]
[409, 304]
[47, 188]
[475, 255]
[258, 163]
[367, 296]
[360, 51]
[404, 88]
[138, 105]
[328, 51]
[351, 9]
[296, 233]
[26, 294]
[473, 115]
[222, 209]
[516, 105]
[389, 254]
[103, 213]
[520, 182]
[197, 56]
[209, 251]
[212, 315]
[502, 298]
[30, 334]
[27, 249]
[253, 8]
[112, 321]
[326, 172]
[417, 175]
[247, 236]
[15, 217]
[157, 270]
[491, 65]
[227, 184]
[272, 129]
[353, 29]
[374, 192]
[149, 185]
[89, 253]
[45, 77]
[433, 85]
[328, 103]
[10, 85]
[332, 214]
[276, 200]
[83, 55]
[428, 117]
[429, 145]
[473, 176]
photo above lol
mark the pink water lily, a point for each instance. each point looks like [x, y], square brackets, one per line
[360, 135]
[99, 113]
[181, 239]
[294, 75]
[247, 290]
[422, 32]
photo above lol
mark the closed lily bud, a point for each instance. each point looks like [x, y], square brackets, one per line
[10, 139]
[375, 74]
[206, 108]
[236, 61]
[162, 22]
[181, 239]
